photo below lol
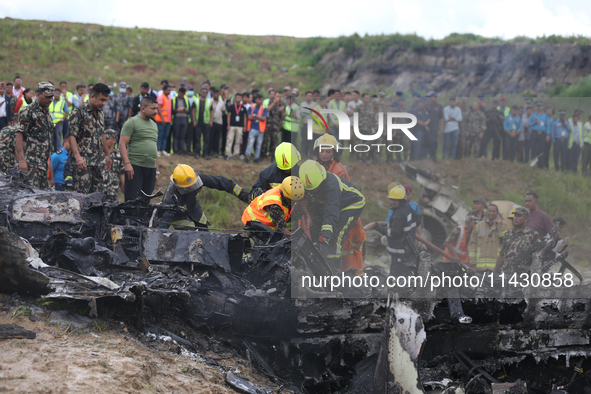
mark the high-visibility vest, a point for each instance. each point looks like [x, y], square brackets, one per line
[187, 107]
[256, 210]
[289, 123]
[460, 247]
[57, 110]
[165, 110]
[571, 137]
[505, 112]
[23, 105]
[266, 103]
[206, 110]
[262, 124]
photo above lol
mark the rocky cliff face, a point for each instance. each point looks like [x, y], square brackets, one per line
[464, 70]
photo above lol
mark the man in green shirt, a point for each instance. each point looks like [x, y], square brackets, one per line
[138, 148]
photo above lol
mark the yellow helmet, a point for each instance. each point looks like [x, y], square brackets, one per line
[397, 193]
[312, 174]
[391, 185]
[184, 176]
[293, 188]
[286, 156]
[326, 139]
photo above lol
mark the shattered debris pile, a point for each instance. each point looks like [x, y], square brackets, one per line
[70, 246]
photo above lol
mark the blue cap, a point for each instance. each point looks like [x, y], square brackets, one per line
[434, 94]
[202, 88]
[428, 94]
[562, 112]
[527, 101]
[481, 96]
[399, 93]
[495, 101]
[416, 95]
[539, 103]
[190, 87]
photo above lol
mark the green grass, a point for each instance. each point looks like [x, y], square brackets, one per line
[45, 50]
[39, 50]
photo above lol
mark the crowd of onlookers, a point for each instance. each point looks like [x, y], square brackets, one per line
[207, 121]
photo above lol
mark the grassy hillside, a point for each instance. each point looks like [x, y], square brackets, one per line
[76, 52]
[88, 53]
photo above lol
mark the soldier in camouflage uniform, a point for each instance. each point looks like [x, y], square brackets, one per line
[110, 112]
[123, 107]
[7, 147]
[383, 108]
[114, 177]
[366, 121]
[516, 241]
[274, 124]
[87, 142]
[472, 129]
[479, 209]
[33, 140]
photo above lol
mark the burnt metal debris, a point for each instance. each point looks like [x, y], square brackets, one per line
[67, 245]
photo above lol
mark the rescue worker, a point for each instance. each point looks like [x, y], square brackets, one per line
[457, 241]
[185, 186]
[326, 152]
[274, 207]
[398, 225]
[515, 241]
[485, 240]
[286, 158]
[335, 204]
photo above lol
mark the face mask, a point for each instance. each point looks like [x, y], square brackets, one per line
[190, 93]
[122, 90]
[110, 94]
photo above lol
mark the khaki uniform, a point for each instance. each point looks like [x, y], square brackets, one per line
[485, 244]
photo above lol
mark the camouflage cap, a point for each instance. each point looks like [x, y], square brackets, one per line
[472, 218]
[110, 133]
[480, 199]
[295, 90]
[521, 211]
[382, 94]
[46, 88]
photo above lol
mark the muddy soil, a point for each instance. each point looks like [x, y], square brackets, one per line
[105, 357]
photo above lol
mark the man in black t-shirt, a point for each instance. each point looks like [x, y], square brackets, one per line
[237, 116]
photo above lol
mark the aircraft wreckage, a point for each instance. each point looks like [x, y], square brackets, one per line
[73, 246]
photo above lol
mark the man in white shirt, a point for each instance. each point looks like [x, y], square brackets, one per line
[17, 89]
[452, 115]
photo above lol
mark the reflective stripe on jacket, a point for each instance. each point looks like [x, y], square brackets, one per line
[256, 210]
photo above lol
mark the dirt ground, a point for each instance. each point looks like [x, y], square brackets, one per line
[104, 357]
